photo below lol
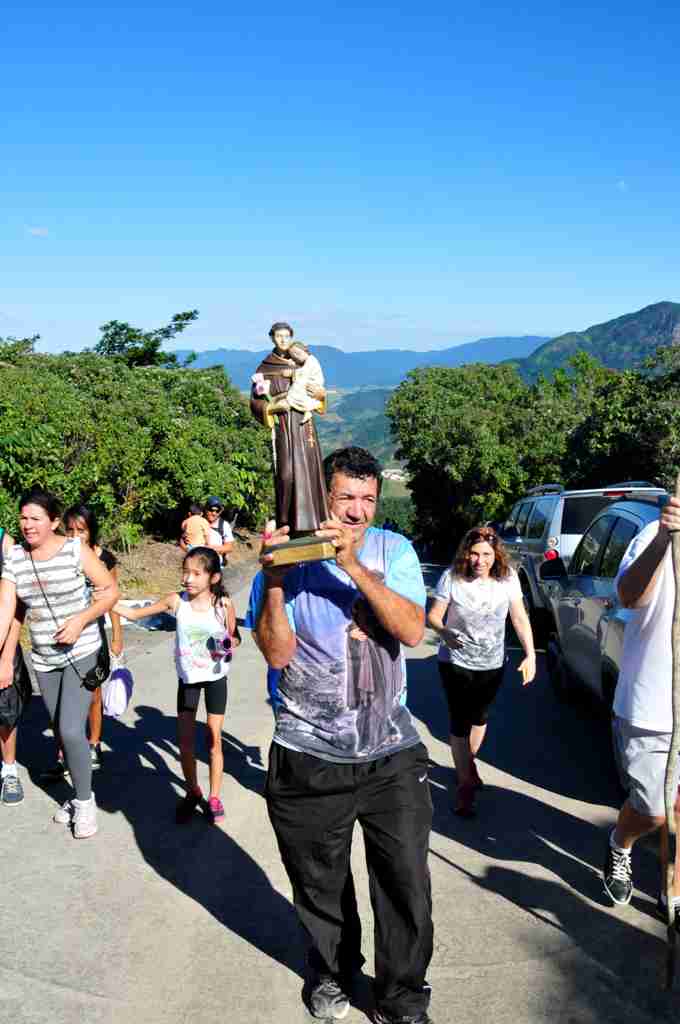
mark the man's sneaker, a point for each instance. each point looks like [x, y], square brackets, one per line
[215, 810]
[64, 816]
[55, 773]
[84, 818]
[12, 791]
[381, 1018]
[618, 875]
[95, 756]
[327, 1000]
[187, 806]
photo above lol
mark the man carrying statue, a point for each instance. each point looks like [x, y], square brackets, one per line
[345, 747]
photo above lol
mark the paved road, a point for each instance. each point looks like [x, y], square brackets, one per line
[153, 923]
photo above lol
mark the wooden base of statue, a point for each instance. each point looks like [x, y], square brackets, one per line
[300, 549]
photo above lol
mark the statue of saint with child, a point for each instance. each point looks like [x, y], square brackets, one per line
[287, 389]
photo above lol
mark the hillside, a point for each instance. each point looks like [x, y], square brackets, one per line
[357, 417]
[621, 343]
[377, 368]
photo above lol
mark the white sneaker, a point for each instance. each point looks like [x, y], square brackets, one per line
[64, 816]
[84, 818]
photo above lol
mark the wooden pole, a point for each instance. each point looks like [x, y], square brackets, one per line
[669, 840]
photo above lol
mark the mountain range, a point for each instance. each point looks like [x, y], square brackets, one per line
[377, 368]
[621, 343]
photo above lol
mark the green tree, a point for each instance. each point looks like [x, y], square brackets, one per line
[458, 430]
[13, 350]
[554, 409]
[143, 348]
[137, 444]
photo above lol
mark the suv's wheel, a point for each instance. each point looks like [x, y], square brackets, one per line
[557, 670]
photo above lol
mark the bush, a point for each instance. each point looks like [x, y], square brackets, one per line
[137, 444]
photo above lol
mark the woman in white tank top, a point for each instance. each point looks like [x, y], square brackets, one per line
[204, 636]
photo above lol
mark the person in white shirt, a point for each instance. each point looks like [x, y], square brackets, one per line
[643, 717]
[472, 602]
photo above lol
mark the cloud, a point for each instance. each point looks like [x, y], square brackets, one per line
[622, 185]
[38, 232]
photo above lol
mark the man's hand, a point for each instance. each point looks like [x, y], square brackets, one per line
[116, 647]
[669, 522]
[6, 674]
[272, 535]
[341, 537]
[315, 392]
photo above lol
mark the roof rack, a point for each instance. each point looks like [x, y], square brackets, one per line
[630, 483]
[546, 489]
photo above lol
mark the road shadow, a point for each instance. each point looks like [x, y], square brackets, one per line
[202, 861]
[566, 749]
[627, 983]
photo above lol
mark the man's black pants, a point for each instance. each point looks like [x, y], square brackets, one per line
[313, 805]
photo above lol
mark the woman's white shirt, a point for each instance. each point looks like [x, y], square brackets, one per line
[476, 612]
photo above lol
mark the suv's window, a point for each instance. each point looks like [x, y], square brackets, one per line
[578, 512]
[543, 510]
[509, 524]
[587, 554]
[620, 538]
[522, 517]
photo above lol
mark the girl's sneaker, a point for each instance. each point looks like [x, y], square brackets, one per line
[64, 816]
[216, 810]
[84, 818]
[187, 806]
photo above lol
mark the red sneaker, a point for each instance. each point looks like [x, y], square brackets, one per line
[216, 810]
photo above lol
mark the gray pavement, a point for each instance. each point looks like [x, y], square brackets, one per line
[153, 923]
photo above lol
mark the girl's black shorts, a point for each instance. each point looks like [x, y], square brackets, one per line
[188, 696]
[469, 694]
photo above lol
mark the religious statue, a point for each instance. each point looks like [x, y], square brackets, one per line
[287, 389]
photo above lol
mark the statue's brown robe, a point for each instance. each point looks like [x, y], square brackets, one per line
[301, 501]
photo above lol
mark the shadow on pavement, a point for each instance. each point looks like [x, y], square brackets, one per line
[566, 749]
[200, 860]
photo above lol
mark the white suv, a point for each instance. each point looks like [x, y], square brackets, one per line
[548, 522]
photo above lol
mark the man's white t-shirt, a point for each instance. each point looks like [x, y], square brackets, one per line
[477, 610]
[215, 537]
[643, 693]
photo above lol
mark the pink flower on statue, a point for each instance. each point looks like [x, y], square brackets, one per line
[260, 385]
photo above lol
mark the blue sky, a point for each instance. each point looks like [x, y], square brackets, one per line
[380, 178]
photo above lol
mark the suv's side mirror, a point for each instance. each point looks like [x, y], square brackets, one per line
[553, 569]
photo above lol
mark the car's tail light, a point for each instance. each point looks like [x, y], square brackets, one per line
[551, 554]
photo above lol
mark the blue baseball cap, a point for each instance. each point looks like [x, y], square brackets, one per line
[214, 502]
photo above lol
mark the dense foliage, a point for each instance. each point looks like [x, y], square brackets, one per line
[138, 444]
[137, 347]
[475, 438]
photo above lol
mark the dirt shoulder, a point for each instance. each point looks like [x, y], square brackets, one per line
[154, 567]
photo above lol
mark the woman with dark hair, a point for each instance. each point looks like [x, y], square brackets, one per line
[472, 602]
[48, 574]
